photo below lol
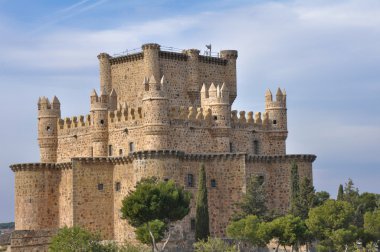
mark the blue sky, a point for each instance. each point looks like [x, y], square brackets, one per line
[326, 54]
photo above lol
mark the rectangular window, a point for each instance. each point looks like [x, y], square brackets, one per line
[190, 180]
[256, 147]
[192, 224]
[231, 147]
[131, 147]
[213, 183]
[109, 150]
[117, 186]
[120, 152]
[100, 187]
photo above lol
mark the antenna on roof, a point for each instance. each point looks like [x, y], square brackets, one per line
[209, 48]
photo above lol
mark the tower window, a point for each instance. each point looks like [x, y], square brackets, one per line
[256, 147]
[109, 150]
[215, 118]
[190, 180]
[213, 183]
[117, 186]
[100, 187]
[231, 147]
[192, 224]
[274, 121]
[131, 147]
[120, 152]
[102, 122]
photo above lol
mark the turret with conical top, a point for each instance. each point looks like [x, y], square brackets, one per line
[277, 109]
[48, 115]
[155, 109]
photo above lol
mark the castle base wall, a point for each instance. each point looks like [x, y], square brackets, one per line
[31, 240]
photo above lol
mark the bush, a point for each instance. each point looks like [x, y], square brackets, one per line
[213, 245]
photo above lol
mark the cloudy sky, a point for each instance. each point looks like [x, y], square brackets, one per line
[325, 53]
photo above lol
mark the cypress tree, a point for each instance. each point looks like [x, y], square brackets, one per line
[202, 229]
[340, 193]
[295, 189]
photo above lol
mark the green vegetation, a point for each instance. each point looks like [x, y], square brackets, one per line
[336, 225]
[78, 239]
[202, 229]
[8, 225]
[213, 245]
[152, 206]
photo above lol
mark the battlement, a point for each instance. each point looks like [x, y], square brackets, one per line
[214, 94]
[45, 108]
[280, 101]
[74, 122]
[125, 114]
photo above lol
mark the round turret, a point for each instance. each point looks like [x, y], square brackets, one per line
[105, 72]
[230, 74]
[48, 115]
[277, 110]
[99, 118]
[151, 60]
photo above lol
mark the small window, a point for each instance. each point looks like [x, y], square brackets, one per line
[166, 179]
[215, 118]
[102, 122]
[274, 121]
[256, 147]
[213, 183]
[231, 147]
[192, 224]
[131, 147]
[100, 187]
[261, 179]
[190, 180]
[48, 128]
[91, 151]
[109, 150]
[117, 186]
[120, 152]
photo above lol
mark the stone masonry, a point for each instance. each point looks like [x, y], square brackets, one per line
[158, 113]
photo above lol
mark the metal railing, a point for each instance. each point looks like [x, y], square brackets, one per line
[164, 48]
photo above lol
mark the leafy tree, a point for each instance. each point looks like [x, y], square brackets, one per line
[213, 245]
[295, 188]
[289, 230]
[74, 239]
[254, 200]
[320, 198]
[327, 219]
[340, 193]
[251, 228]
[372, 224]
[154, 200]
[351, 193]
[202, 229]
[157, 228]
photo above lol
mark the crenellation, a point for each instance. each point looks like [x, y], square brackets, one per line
[158, 113]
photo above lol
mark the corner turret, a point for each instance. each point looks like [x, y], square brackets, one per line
[48, 115]
[99, 117]
[193, 74]
[155, 108]
[151, 60]
[105, 72]
[230, 74]
[277, 110]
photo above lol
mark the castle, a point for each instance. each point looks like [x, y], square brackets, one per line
[158, 113]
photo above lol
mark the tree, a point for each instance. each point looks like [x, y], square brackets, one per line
[306, 198]
[340, 193]
[351, 193]
[74, 239]
[202, 229]
[320, 198]
[155, 202]
[372, 224]
[213, 245]
[254, 200]
[289, 230]
[327, 219]
[295, 188]
[251, 229]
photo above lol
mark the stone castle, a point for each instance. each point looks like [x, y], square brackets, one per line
[158, 113]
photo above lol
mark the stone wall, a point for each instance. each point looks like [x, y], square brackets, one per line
[31, 240]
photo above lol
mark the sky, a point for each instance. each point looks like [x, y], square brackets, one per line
[325, 53]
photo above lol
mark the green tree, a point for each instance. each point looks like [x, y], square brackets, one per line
[213, 245]
[320, 198]
[251, 229]
[306, 198]
[295, 189]
[153, 201]
[254, 200]
[372, 224]
[340, 193]
[289, 230]
[351, 193]
[74, 239]
[327, 219]
[202, 229]
[157, 229]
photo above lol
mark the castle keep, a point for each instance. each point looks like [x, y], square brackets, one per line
[158, 113]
